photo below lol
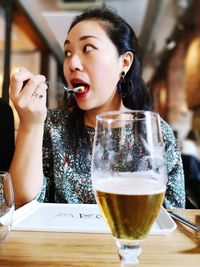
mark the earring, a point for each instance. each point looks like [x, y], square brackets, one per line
[124, 86]
[123, 74]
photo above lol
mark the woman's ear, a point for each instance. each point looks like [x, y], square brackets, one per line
[127, 61]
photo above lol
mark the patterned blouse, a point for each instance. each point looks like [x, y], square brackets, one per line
[66, 166]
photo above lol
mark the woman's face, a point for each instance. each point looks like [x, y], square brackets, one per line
[92, 60]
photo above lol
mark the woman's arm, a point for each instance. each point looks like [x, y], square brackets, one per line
[26, 167]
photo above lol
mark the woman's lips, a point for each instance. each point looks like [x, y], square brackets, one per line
[77, 82]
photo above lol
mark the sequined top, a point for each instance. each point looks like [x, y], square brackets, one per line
[66, 165]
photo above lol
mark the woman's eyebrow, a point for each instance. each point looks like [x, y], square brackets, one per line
[82, 38]
[87, 37]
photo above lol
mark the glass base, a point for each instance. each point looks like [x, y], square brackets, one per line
[129, 252]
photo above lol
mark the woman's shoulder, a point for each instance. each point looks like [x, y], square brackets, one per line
[165, 126]
[166, 129]
[168, 134]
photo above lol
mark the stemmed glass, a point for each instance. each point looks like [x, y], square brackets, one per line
[129, 176]
[6, 205]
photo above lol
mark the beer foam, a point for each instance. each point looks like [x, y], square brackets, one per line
[129, 186]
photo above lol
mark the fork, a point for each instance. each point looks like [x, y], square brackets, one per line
[184, 221]
[77, 90]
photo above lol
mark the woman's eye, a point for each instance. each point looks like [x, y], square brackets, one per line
[87, 48]
[68, 53]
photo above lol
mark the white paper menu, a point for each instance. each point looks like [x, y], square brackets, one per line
[85, 218]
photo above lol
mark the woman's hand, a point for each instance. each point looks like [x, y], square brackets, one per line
[28, 94]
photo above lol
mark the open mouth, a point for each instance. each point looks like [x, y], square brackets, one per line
[82, 87]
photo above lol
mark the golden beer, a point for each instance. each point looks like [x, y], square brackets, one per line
[130, 206]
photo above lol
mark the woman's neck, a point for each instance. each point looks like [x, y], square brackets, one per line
[90, 115]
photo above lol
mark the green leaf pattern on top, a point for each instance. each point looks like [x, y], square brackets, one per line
[66, 165]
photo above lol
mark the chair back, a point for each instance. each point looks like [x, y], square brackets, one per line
[191, 167]
[7, 135]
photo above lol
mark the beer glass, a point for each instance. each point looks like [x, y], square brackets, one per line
[6, 205]
[129, 176]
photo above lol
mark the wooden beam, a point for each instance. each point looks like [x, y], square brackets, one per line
[22, 17]
[22, 21]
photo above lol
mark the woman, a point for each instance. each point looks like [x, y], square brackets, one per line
[101, 54]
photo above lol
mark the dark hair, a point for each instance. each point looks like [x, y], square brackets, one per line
[124, 38]
[192, 136]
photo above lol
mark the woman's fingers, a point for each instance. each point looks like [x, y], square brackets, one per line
[33, 85]
[28, 93]
[39, 95]
[24, 83]
[17, 81]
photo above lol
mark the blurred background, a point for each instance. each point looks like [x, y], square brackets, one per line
[32, 35]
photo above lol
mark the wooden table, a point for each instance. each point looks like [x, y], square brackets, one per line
[180, 248]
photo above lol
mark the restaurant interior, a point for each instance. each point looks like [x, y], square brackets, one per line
[32, 34]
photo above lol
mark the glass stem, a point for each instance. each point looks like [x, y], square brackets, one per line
[129, 252]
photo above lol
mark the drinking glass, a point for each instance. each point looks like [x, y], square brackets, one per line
[129, 176]
[6, 205]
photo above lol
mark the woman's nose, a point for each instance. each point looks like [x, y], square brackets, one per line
[75, 63]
